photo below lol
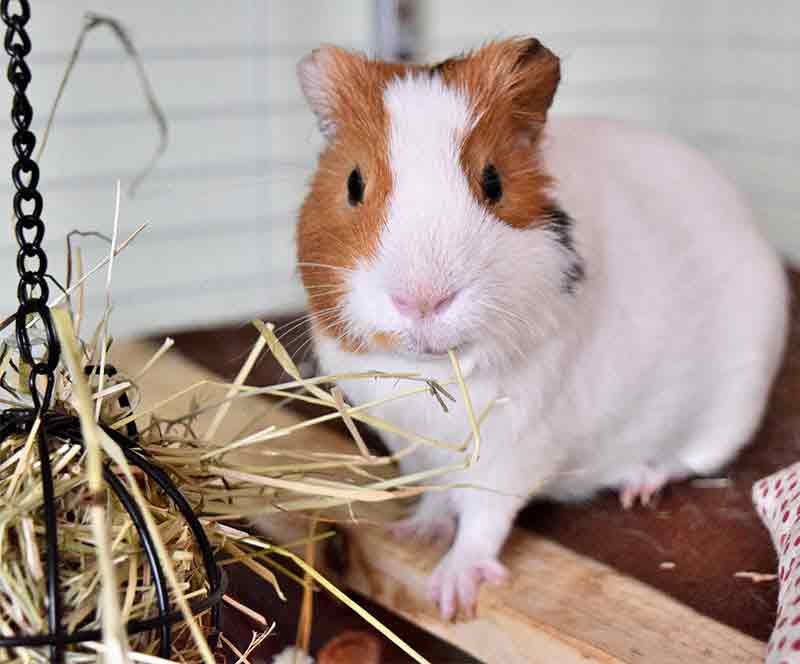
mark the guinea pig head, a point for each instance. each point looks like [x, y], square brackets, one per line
[429, 223]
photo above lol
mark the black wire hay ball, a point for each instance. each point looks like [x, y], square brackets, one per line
[48, 579]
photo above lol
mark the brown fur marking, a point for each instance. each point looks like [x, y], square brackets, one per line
[331, 232]
[511, 84]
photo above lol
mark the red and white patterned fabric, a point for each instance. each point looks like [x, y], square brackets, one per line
[777, 500]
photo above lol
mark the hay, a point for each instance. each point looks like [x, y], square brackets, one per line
[106, 580]
[105, 575]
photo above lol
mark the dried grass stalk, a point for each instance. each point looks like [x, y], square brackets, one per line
[105, 576]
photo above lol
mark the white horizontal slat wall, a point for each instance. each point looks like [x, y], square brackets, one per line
[223, 199]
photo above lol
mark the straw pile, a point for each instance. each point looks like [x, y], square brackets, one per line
[23, 592]
[106, 578]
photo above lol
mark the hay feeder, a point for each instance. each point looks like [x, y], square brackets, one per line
[36, 510]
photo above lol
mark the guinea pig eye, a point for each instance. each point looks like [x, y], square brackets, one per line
[490, 181]
[355, 187]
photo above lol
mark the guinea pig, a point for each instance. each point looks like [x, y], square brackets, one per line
[604, 285]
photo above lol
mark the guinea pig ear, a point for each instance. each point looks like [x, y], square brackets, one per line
[321, 74]
[313, 75]
[520, 73]
[535, 79]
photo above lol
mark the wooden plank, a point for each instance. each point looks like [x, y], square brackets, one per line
[559, 607]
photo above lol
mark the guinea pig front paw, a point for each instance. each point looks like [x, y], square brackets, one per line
[455, 583]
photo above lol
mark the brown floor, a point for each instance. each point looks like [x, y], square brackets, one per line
[331, 619]
[708, 533]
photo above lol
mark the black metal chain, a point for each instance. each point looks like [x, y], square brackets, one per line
[32, 292]
[33, 295]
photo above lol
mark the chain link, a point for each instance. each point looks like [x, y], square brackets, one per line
[33, 296]
[32, 292]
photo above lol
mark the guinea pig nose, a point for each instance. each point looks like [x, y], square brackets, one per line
[418, 307]
[406, 306]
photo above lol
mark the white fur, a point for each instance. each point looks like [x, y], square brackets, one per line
[658, 366]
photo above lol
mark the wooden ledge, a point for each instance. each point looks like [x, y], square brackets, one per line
[558, 608]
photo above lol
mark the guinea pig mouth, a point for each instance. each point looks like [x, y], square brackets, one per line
[426, 353]
[430, 351]
[427, 348]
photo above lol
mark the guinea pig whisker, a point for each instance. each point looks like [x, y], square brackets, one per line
[506, 320]
[299, 325]
[327, 322]
[321, 286]
[534, 331]
[304, 358]
[503, 311]
[325, 266]
[305, 344]
[306, 318]
[299, 322]
[287, 327]
[506, 317]
[362, 345]
[326, 293]
[318, 316]
[327, 317]
[283, 326]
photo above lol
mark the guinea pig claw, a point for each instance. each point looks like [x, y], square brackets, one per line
[455, 584]
[644, 491]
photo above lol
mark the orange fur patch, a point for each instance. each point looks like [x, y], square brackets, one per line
[332, 232]
[511, 85]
